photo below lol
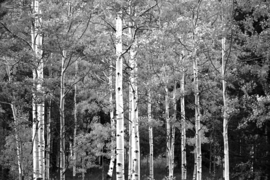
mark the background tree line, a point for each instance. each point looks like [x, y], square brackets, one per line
[131, 89]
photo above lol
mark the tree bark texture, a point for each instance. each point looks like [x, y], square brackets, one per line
[75, 122]
[194, 177]
[135, 142]
[18, 145]
[112, 160]
[151, 143]
[16, 124]
[168, 131]
[131, 116]
[120, 156]
[48, 132]
[225, 115]
[38, 100]
[171, 169]
[62, 119]
[197, 119]
[183, 130]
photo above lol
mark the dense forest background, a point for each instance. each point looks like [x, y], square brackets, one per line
[78, 54]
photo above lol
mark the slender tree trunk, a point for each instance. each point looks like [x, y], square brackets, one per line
[151, 143]
[225, 116]
[38, 101]
[197, 118]
[168, 130]
[48, 149]
[62, 119]
[34, 117]
[135, 141]
[18, 145]
[35, 133]
[75, 122]
[16, 124]
[131, 118]
[120, 149]
[183, 130]
[195, 166]
[171, 169]
[40, 117]
[112, 161]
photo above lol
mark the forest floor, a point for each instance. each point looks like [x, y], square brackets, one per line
[159, 173]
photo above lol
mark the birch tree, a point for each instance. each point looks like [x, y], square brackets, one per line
[197, 119]
[134, 116]
[62, 118]
[171, 167]
[120, 158]
[168, 128]
[15, 117]
[183, 129]
[151, 143]
[196, 95]
[38, 102]
[225, 116]
[112, 160]
[135, 140]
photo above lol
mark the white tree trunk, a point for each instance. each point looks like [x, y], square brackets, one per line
[111, 165]
[183, 130]
[197, 119]
[134, 117]
[135, 140]
[18, 146]
[120, 156]
[35, 133]
[151, 143]
[130, 123]
[168, 130]
[171, 169]
[40, 117]
[38, 101]
[62, 119]
[225, 116]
